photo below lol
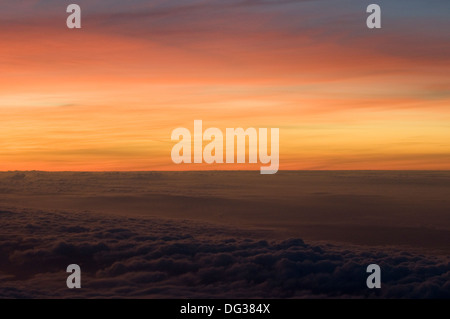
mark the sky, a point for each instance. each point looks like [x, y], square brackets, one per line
[109, 95]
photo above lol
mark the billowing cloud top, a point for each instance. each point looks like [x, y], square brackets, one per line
[157, 258]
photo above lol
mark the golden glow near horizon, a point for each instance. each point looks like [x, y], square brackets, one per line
[107, 97]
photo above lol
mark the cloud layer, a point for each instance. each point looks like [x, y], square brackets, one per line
[154, 258]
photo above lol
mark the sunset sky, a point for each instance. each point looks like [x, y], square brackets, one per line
[107, 96]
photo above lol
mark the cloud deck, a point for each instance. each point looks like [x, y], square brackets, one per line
[153, 258]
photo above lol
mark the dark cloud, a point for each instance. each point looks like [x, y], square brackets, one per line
[132, 257]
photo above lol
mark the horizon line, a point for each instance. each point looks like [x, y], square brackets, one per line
[199, 171]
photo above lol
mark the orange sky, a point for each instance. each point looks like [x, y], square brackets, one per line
[108, 96]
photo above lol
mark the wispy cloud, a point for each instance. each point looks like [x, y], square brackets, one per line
[279, 63]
